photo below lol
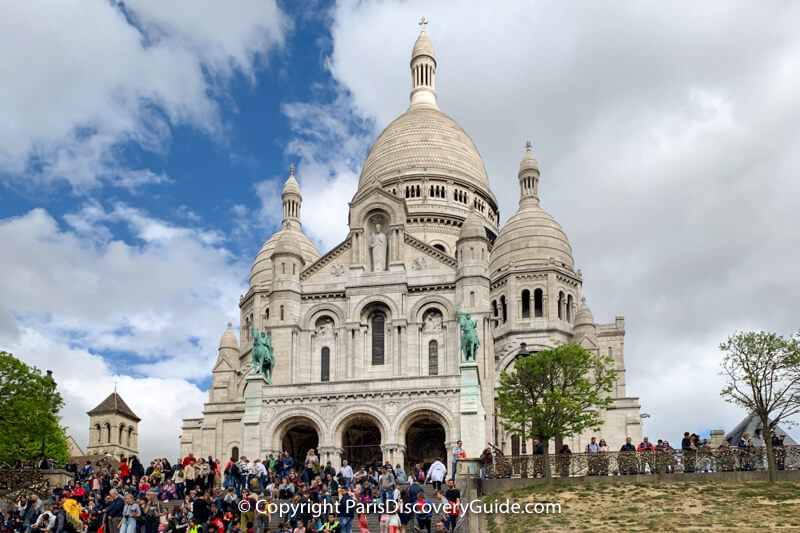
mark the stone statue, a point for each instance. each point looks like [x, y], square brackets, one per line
[469, 336]
[433, 323]
[263, 361]
[378, 250]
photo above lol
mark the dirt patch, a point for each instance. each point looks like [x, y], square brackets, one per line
[703, 506]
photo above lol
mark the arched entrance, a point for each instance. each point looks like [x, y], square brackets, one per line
[425, 439]
[300, 437]
[361, 442]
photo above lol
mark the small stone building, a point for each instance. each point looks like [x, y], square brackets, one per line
[113, 428]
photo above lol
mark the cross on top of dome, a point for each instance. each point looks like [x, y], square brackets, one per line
[422, 23]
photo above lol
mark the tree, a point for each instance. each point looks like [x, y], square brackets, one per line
[763, 372]
[29, 406]
[556, 393]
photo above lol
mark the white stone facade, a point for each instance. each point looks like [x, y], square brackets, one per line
[366, 338]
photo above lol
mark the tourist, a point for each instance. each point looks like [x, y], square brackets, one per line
[627, 458]
[745, 446]
[456, 455]
[346, 511]
[777, 449]
[704, 452]
[231, 474]
[386, 484]
[190, 474]
[346, 471]
[563, 459]
[286, 490]
[444, 504]
[287, 464]
[647, 465]
[312, 466]
[436, 474]
[592, 448]
[125, 470]
[131, 512]
[419, 473]
[422, 511]
[332, 525]
[486, 460]
[689, 452]
[453, 495]
[400, 476]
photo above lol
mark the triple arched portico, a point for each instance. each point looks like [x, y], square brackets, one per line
[364, 435]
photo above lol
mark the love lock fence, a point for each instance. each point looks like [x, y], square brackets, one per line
[724, 459]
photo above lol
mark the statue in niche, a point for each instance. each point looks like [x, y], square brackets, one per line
[378, 246]
[263, 360]
[325, 329]
[433, 323]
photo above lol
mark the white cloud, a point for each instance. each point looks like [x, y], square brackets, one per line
[86, 81]
[155, 308]
[668, 142]
[85, 379]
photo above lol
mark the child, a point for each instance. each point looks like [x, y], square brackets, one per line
[300, 527]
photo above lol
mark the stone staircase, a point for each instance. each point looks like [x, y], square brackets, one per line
[373, 520]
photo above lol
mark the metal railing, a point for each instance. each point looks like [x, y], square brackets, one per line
[705, 459]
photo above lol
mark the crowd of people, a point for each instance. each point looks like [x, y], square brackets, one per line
[203, 495]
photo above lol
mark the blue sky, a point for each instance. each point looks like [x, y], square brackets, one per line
[143, 146]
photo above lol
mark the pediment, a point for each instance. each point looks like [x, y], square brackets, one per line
[421, 249]
[588, 342]
[332, 265]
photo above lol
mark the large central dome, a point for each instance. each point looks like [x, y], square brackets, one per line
[427, 159]
[423, 140]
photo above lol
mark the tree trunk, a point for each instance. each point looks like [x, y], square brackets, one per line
[548, 474]
[770, 452]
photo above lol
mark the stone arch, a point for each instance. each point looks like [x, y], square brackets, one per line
[318, 310]
[300, 432]
[376, 299]
[107, 427]
[360, 435]
[424, 431]
[230, 447]
[338, 424]
[441, 246]
[99, 434]
[446, 307]
[508, 358]
[281, 423]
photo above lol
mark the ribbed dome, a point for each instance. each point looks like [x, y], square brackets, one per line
[472, 227]
[584, 316]
[291, 186]
[423, 46]
[528, 161]
[425, 140]
[531, 236]
[228, 339]
[261, 273]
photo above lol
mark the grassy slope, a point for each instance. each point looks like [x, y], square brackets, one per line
[710, 506]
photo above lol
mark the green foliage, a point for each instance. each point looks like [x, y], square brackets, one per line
[763, 372]
[29, 406]
[556, 393]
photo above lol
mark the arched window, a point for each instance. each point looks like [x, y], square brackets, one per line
[561, 306]
[99, 434]
[503, 308]
[294, 269]
[235, 453]
[121, 433]
[514, 445]
[108, 432]
[440, 247]
[538, 303]
[526, 303]
[472, 299]
[472, 254]
[431, 191]
[281, 313]
[433, 358]
[418, 195]
[283, 268]
[326, 364]
[494, 308]
[266, 312]
[610, 352]
[569, 308]
[378, 324]
[130, 437]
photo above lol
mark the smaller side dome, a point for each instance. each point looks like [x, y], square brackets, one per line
[287, 244]
[528, 161]
[228, 339]
[472, 227]
[291, 186]
[423, 47]
[584, 316]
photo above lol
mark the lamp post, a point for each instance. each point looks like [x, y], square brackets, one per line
[51, 385]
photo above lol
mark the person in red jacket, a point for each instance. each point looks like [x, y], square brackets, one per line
[647, 465]
[125, 471]
[188, 459]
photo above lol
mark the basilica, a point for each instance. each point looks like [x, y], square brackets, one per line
[366, 362]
